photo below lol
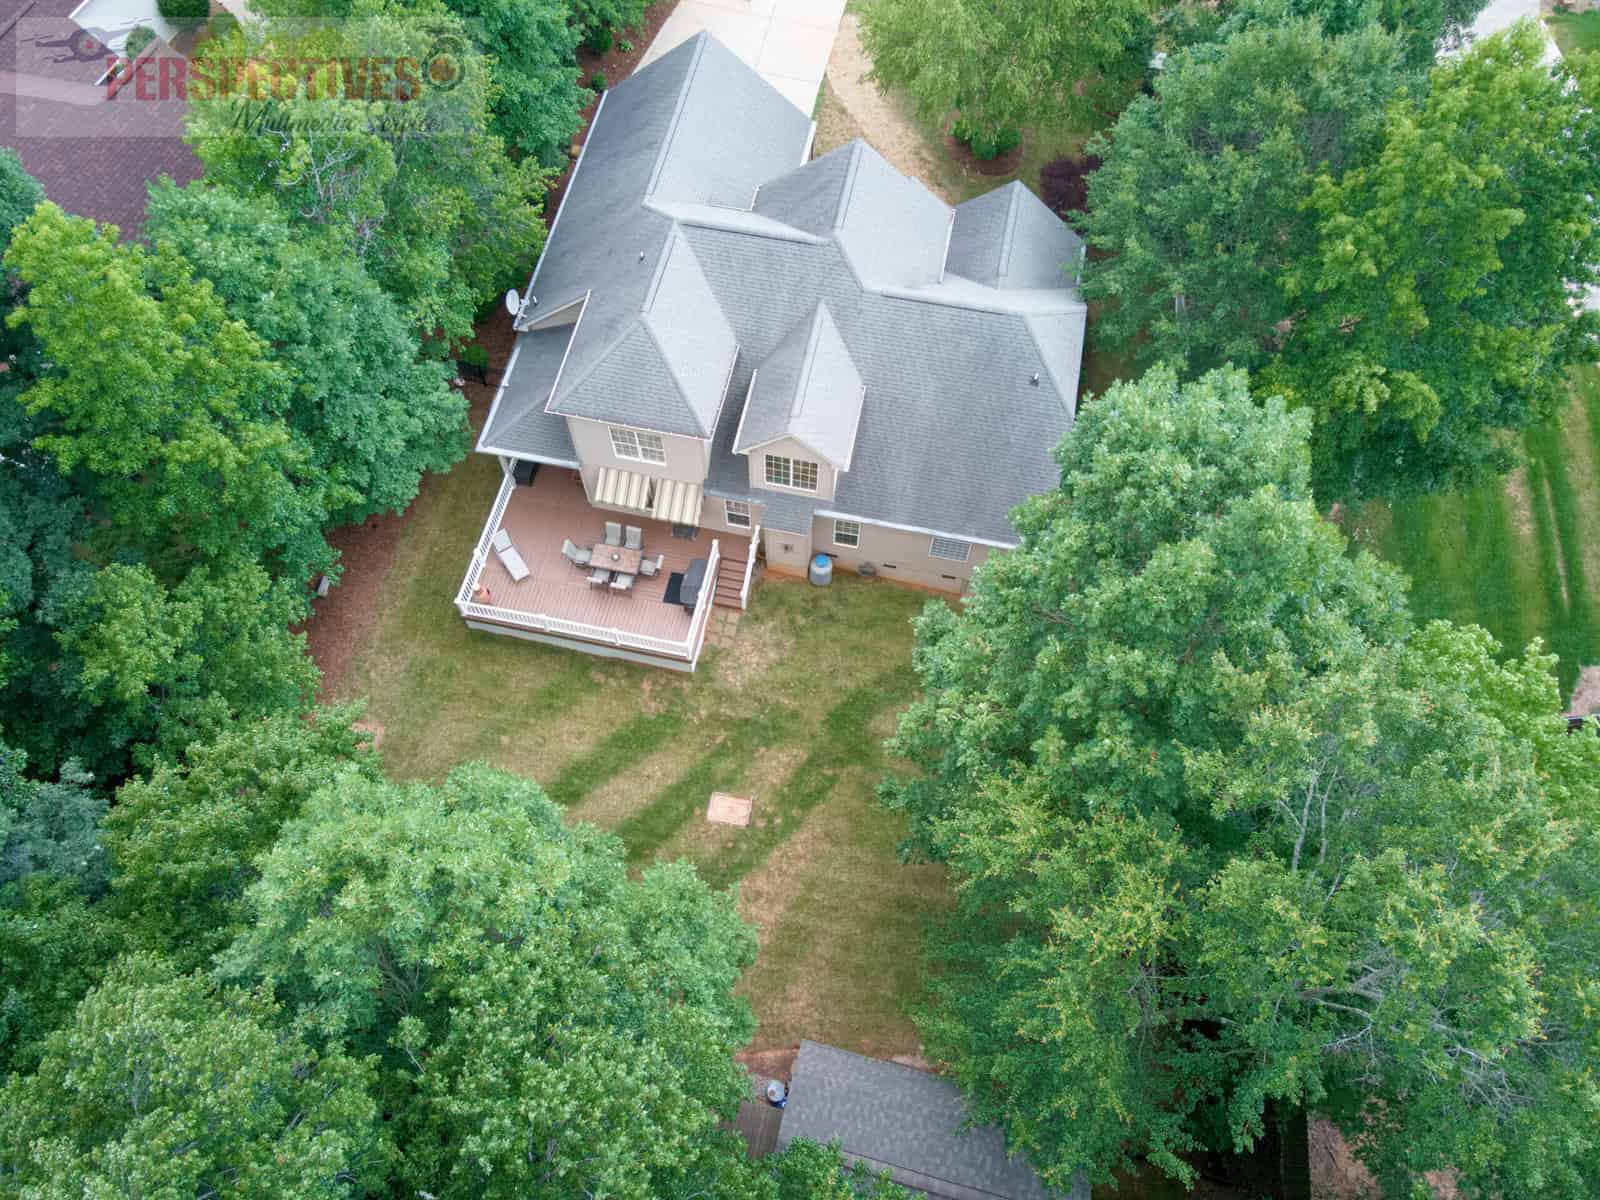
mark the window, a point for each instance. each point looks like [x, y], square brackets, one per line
[792, 473]
[846, 533]
[950, 548]
[641, 447]
[737, 513]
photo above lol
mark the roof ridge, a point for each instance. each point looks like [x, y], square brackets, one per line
[1007, 236]
[855, 145]
[698, 41]
[808, 360]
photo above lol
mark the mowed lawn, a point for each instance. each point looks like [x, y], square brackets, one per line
[793, 712]
[1521, 558]
[1575, 32]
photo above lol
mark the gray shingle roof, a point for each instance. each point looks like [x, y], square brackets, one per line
[893, 229]
[906, 1121]
[807, 389]
[953, 433]
[970, 382]
[1007, 238]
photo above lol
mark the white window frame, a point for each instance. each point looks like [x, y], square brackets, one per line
[852, 533]
[736, 513]
[637, 446]
[936, 543]
[789, 472]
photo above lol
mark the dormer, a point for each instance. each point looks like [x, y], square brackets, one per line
[802, 411]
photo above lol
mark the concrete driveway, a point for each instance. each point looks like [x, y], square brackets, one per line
[787, 41]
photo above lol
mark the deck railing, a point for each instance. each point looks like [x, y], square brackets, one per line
[749, 568]
[686, 649]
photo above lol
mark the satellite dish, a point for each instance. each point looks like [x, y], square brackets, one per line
[513, 301]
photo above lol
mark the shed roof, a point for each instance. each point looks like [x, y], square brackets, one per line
[907, 1122]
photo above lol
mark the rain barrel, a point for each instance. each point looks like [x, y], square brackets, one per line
[822, 570]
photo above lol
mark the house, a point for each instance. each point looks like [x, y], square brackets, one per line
[93, 146]
[907, 1122]
[792, 356]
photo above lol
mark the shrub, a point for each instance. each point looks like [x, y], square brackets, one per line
[987, 143]
[1064, 183]
[185, 14]
[473, 355]
[222, 24]
[625, 46]
[597, 83]
[598, 40]
[141, 37]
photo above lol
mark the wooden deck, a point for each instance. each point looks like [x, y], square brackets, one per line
[553, 508]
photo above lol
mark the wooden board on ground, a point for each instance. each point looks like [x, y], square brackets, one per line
[728, 810]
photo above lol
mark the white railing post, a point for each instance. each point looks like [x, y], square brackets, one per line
[749, 568]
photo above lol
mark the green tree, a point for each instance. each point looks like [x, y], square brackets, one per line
[49, 825]
[1230, 839]
[1006, 64]
[1425, 27]
[173, 414]
[408, 176]
[54, 947]
[373, 414]
[1435, 313]
[185, 840]
[164, 1086]
[1201, 201]
[545, 1023]
[20, 194]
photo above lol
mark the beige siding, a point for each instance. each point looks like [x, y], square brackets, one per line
[788, 448]
[786, 552]
[686, 456]
[898, 555]
[713, 516]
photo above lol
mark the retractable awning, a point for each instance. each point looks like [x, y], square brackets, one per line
[623, 489]
[677, 502]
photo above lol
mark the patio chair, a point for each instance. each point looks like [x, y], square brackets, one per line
[599, 577]
[508, 556]
[621, 582]
[577, 557]
[650, 566]
[635, 538]
[613, 533]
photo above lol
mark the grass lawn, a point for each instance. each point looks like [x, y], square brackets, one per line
[1515, 557]
[792, 712]
[1575, 32]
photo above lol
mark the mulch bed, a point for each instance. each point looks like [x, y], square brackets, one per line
[341, 619]
[1001, 164]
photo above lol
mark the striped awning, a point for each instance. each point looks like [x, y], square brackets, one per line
[623, 489]
[677, 502]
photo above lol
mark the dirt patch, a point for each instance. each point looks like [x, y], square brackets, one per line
[1586, 693]
[752, 653]
[770, 1064]
[878, 118]
[835, 125]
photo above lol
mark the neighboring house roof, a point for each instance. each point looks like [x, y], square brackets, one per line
[688, 187]
[806, 389]
[1008, 238]
[93, 154]
[907, 1122]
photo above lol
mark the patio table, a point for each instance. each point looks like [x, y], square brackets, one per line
[615, 558]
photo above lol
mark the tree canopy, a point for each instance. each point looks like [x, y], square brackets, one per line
[1228, 834]
[1009, 63]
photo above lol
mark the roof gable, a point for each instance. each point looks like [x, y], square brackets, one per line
[668, 368]
[891, 228]
[808, 389]
[1008, 239]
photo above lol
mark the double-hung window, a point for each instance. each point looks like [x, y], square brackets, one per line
[637, 445]
[846, 533]
[791, 473]
[737, 513]
[950, 548]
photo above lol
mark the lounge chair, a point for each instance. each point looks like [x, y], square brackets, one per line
[635, 538]
[599, 577]
[577, 557]
[650, 566]
[621, 582]
[508, 556]
[613, 533]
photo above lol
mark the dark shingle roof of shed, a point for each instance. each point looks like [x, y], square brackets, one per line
[905, 1121]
